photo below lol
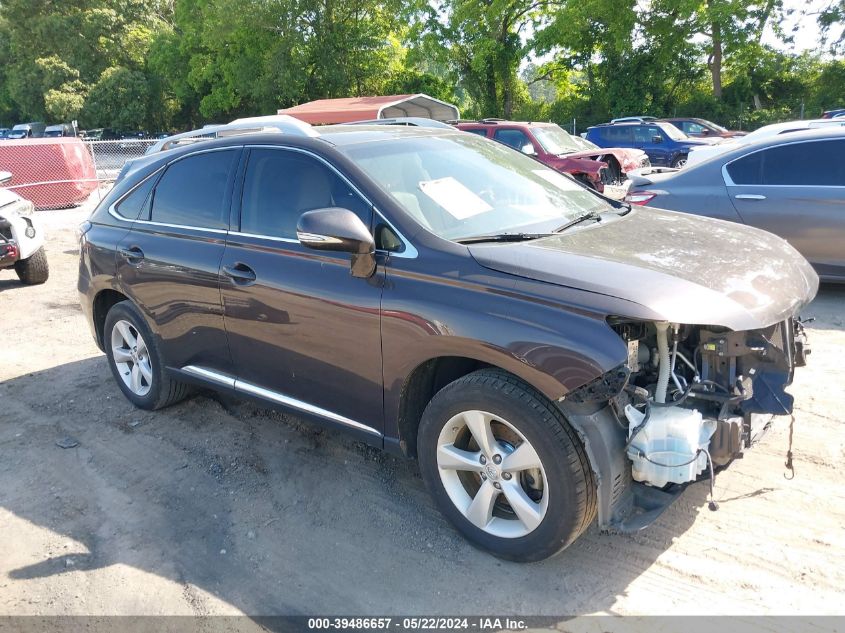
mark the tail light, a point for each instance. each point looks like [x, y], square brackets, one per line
[640, 197]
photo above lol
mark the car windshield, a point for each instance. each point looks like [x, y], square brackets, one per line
[555, 140]
[672, 132]
[715, 126]
[461, 185]
[584, 144]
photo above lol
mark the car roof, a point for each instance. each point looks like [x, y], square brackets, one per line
[741, 149]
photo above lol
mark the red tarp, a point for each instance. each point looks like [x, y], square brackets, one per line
[346, 110]
[54, 172]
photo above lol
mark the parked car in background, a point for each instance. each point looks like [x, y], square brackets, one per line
[665, 144]
[60, 130]
[832, 114]
[697, 128]
[21, 237]
[453, 301]
[27, 130]
[634, 119]
[553, 146]
[792, 185]
[102, 134]
[700, 154]
[4, 132]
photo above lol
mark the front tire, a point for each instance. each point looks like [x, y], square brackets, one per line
[136, 362]
[34, 269]
[679, 162]
[505, 468]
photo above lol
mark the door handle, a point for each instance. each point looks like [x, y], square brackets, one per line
[240, 274]
[749, 196]
[133, 254]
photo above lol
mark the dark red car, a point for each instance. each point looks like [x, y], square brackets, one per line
[553, 146]
[702, 128]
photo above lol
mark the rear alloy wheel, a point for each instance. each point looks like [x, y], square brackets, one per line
[135, 360]
[132, 358]
[504, 466]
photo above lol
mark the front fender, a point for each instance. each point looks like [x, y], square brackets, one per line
[556, 344]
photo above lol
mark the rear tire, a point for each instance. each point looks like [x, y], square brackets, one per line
[136, 362]
[34, 269]
[539, 495]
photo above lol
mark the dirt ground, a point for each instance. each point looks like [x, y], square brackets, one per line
[218, 507]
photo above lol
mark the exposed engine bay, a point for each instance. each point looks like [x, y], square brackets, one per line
[688, 400]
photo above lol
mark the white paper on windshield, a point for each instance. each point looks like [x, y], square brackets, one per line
[454, 197]
[558, 180]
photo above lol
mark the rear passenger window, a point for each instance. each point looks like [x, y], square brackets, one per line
[815, 163]
[281, 185]
[136, 205]
[477, 130]
[514, 138]
[621, 134]
[192, 192]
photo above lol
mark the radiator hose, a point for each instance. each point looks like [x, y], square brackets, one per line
[663, 367]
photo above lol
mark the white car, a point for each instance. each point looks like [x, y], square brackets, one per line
[21, 240]
[700, 154]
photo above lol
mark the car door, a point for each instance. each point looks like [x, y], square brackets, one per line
[654, 142]
[796, 190]
[302, 330]
[169, 262]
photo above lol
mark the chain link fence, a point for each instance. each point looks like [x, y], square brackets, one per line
[66, 172]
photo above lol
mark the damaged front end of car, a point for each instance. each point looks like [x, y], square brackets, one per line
[688, 400]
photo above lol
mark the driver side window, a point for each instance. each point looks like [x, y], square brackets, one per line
[280, 185]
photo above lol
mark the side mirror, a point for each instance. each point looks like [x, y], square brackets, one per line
[339, 230]
[5, 177]
[528, 149]
[657, 139]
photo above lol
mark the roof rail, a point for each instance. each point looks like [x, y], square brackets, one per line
[277, 123]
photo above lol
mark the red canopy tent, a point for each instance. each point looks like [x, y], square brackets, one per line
[346, 110]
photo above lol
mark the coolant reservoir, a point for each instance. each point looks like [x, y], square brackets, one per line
[670, 440]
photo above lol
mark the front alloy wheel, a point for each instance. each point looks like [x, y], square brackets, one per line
[492, 474]
[505, 467]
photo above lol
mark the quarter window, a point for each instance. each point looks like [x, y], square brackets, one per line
[192, 192]
[281, 185]
[136, 205]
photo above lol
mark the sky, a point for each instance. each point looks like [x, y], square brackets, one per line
[803, 19]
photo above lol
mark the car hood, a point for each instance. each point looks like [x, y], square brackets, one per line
[681, 268]
[628, 158]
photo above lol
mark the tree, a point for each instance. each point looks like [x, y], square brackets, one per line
[487, 40]
[118, 99]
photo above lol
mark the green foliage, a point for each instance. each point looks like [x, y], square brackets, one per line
[118, 99]
[171, 64]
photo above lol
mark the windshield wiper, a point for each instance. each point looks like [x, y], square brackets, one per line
[581, 218]
[502, 237]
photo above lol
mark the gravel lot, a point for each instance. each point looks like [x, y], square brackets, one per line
[215, 506]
